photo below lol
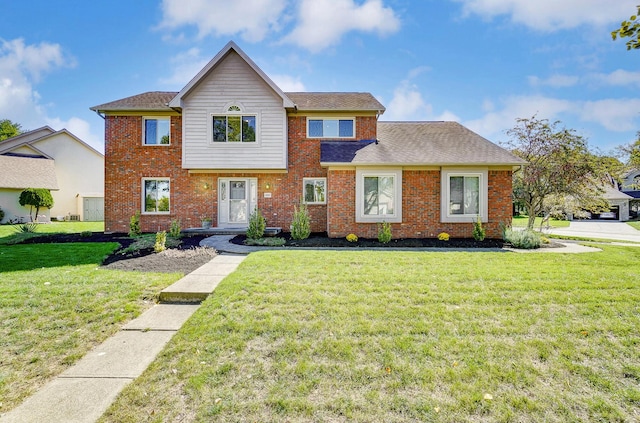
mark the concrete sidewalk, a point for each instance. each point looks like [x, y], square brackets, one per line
[83, 392]
[610, 230]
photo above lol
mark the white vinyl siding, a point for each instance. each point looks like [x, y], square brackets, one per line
[234, 82]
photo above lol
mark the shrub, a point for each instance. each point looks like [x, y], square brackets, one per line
[1, 215]
[301, 223]
[268, 242]
[352, 238]
[479, 232]
[526, 239]
[175, 228]
[36, 197]
[443, 236]
[257, 224]
[29, 227]
[134, 225]
[161, 240]
[384, 232]
[86, 234]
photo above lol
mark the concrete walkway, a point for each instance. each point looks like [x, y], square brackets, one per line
[610, 230]
[83, 392]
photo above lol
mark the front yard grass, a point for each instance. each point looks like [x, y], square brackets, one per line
[522, 221]
[56, 304]
[9, 234]
[401, 336]
[634, 225]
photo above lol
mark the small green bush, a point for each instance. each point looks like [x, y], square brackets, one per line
[526, 239]
[86, 234]
[257, 225]
[384, 232]
[301, 223]
[29, 227]
[134, 225]
[266, 242]
[175, 228]
[161, 240]
[1, 215]
[479, 233]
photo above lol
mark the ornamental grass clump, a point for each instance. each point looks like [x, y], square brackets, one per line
[384, 232]
[257, 225]
[301, 223]
[526, 239]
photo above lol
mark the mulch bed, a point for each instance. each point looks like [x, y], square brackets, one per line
[320, 240]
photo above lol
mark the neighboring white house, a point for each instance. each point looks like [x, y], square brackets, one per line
[619, 203]
[79, 174]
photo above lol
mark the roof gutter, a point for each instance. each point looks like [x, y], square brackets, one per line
[99, 114]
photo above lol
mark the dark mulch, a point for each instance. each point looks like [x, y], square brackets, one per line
[321, 240]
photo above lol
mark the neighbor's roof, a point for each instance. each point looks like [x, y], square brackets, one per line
[335, 101]
[149, 101]
[25, 172]
[30, 139]
[611, 193]
[429, 143]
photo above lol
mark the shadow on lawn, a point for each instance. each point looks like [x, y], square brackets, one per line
[35, 256]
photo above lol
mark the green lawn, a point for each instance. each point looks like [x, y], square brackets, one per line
[522, 221]
[634, 225]
[56, 304]
[10, 233]
[400, 336]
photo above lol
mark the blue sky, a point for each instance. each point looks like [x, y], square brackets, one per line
[482, 63]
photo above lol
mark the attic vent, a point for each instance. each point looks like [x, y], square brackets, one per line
[234, 109]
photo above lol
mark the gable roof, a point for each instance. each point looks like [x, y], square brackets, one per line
[213, 63]
[335, 101]
[30, 138]
[429, 143]
[26, 172]
[611, 193]
[151, 101]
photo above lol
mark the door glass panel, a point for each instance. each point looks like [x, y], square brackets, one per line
[238, 190]
[237, 201]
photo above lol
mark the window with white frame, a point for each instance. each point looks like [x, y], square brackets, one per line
[156, 130]
[234, 126]
[331, 128]
[156, 195]
[464, 195]
[379, 196]
[314, 190]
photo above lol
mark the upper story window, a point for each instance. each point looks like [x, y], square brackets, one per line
[234, 126]
[331, 128]
[157, 131]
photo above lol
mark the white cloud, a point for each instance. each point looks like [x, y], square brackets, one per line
[322, 23]
[22, 67]
[186, 65]
[288, 83]
[252, 20]
[556, 81]
[407, 104]
[618, 77]
[619, 115]
[552, 15]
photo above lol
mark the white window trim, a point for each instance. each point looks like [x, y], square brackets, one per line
[225, 112]
[352, 118]
[143, 197]
[304, 182]
[445, 196]
[144, 132]
[396, 217]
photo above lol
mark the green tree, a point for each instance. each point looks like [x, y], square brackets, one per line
[36, 197]
[629, 29]
[559, 164]
[9, 129]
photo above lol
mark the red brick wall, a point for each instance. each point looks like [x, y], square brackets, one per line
[420, 206]
[193, 196]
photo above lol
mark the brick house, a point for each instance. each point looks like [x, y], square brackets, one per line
[231, 141]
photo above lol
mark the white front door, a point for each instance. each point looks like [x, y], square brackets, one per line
[236, 200]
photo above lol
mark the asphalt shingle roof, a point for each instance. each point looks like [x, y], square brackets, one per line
[152, 101]
[26, 172]
[430, 143]
[336, 101]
